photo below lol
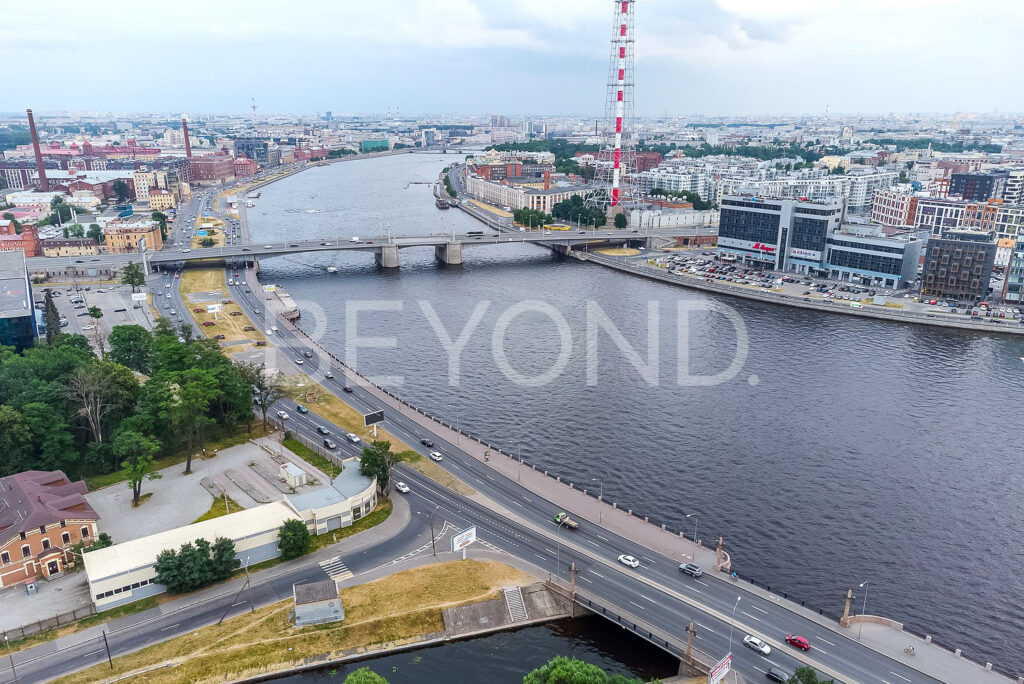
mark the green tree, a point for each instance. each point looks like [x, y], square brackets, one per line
[293, 539]
[121, 190]
[160, 218]
[103, 390]
[376, 461]
[807, 675]
[195, 565]
[53, 445]
[15, 441]
[620, 221]
[138, 452]
[131, 274]
[563, 670]
[131, 346]
[223, 560]
[51, 317]
[95, 232]
[364, 675]
[266, 388]
[76, 230]
[206, 242]
[188, 405]
[60, 211]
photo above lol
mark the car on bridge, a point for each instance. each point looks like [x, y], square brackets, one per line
[691, 569]
[629, 561]
[756, 644]
[798, 641]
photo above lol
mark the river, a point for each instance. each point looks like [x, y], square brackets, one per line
[840, 451]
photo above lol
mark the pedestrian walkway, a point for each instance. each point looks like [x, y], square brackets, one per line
[336, 569]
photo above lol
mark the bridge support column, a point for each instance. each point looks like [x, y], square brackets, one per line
[387, 256]
[449, 253]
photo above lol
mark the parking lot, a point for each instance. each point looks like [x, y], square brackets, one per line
[705, 265]
[115, 301]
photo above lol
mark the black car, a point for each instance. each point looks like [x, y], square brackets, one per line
[348, 390]
[301, 409]
[777, 675]
[426, 442]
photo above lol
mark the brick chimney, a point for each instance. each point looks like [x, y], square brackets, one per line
[188, 145]
[44, 184]
[547, 180]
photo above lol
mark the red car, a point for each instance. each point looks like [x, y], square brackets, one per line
[207, 323]
[798, 641]
[198, 310]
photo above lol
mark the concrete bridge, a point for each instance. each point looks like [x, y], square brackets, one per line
[448, 248]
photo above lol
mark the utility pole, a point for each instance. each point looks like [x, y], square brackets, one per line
[691, 632]
[106, 645]
[433, 545]
[10, 655]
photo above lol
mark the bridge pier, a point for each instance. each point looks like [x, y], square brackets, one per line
[387, 256]
[449, 253]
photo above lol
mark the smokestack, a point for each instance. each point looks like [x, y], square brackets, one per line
[188, 145]
[547, 180]
[44, 184]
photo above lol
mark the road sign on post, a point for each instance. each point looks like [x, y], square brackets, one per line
[138, 296]
[721, 668]
[463, 539]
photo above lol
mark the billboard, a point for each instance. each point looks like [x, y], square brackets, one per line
[463, 539]
[214, 308]
[374, 417]
[269, 288]
[721, 668]
[139, 296]
[202, 233]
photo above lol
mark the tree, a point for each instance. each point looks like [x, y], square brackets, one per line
[60, 210]
[807, 675]
[563, 670]
[138, 451]
[76, 230]
[223, 559]
[265, 388]
[206, 242]
[188, 404]
[121, 190]
[131, 346]
[364, 675]
[52, 442]
[131, 274]
[96, 313]
[196, 565]
[293, 539]
[161, 218]
[15, 441]
[95, 232]
[103, 389]
[51, 317]
[377, 461]
[620, 221]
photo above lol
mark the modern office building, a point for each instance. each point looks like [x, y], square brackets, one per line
[381, 145]
[781, 234]
[958, 266]
[978, 186]
[873, 261]
[256, 149]
[1013, 289]
[17, 316]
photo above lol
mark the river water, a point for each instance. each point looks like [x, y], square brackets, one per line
[829, 451]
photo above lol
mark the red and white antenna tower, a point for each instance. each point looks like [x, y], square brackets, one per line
[617, 162]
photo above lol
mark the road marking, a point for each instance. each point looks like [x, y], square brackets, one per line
[704, 583]
[528, 499]
[549, 550]
[591, 541]
[819, 650]
[637, 605]
[603, 538]
[648, 598]
[766, 612]
[540, 556]
[759, 669]
[707, 628]
[171, 627]
[489, 477]
[752, 617]
[92, 653]
[648, 560]
[585, 579]
[826, 641]
[900, 676]
[597, 573]
[517, 503]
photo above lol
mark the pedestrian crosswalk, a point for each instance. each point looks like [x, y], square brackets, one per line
[336, 569]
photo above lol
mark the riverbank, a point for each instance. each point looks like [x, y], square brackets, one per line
[1002, 326]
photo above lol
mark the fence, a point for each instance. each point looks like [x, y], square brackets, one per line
[49, 623]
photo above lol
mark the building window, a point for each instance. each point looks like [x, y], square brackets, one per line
[65, 538]
[46, 543]
[63, 523]
[42, 529]
[85, 533]
[22, 535]
[5, 557]
[26, 551]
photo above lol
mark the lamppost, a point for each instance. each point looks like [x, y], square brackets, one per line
[600, 497]
[694, 516]
[10, 655]
[433, 546]
[737, 605]
[863, 609]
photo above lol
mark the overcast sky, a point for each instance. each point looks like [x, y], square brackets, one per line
[511, 56]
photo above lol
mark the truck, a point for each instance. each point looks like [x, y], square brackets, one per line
[562, 518]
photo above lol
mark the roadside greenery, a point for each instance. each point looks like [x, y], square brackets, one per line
[687, 195]
[573, 209]
[531, 217]
[364, 675]
[132, 275]
[196, 565]
[448, 186]
[293, 539]
[563, 670]
[377, 461]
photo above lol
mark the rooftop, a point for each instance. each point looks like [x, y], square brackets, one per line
[347, 484]
[314, 592]
[36, 497]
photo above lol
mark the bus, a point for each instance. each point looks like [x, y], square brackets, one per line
[475, 232]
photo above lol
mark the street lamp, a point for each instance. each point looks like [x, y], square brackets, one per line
[433, 546]
[457, 433]
[694, 516]
[600, 497]
[737, 605]
[863, 609]
[10, 655]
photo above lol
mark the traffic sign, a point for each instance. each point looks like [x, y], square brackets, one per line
[373, 418]
[138, 296]
[463, 539]
[721, 668]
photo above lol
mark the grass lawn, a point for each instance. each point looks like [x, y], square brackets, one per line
[303, 390]
[398, 608]
[310, 456]
[91, 621]
[224, 323]
[372, 519]
[218, 509]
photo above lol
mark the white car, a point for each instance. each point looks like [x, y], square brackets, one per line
[402, 487]
[274, 328]
[629, 561]
[88, 327]
[436, 456]
[283, 415]
[298, 362]
[756, 644]
[168, 295]
[270, 332]
[352, 437]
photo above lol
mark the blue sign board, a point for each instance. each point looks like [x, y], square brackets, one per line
[201, 233]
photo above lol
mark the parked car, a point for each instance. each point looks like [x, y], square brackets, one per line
[207, 324]
[629, 561]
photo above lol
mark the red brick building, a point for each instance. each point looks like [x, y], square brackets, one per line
[46, 513]
[647, 160]
[27, 242]
[245, 167]
[310, 153]
[215, 168]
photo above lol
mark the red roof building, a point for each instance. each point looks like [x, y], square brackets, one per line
[27, 241]
[42, 514]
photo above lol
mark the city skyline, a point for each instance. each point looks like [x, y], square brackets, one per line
[724, 58]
